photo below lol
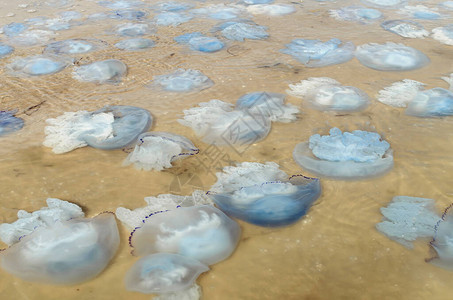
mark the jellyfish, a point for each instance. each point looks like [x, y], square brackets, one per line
[268, 105]
[218, 12]
[13, 29]
[157, 150]
[72, 46]
[133, 29]
[129, 14]
[217, 123]
[197, 41]
[172, 6]
[444, 34]
[135, 44]
[111, 127]
[162, 273]
[240, 31]
[400, 93]
[442, 242]
[405, 28]
[104, 71]
[420, 12]
[358, 14]
[407, 219]
[384, 3]
[436, 102]
[325, 93]
[200, 232]
[315, 53]
[390, 57]
[32, 37]
[271, 10]
[171, 18]
[262, 195]
[447, 5]
[349, 155]
[182, 81]
[5, 50]
[9, 123]
[38, 65]
[63, 251]
[121, 4]
[257, 2]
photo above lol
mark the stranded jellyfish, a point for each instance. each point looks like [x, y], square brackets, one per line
[315, 53]
[172, 6]
[72, 46]
[133, 29]
[442, 242]
[157, 150]
[400, 93]
[111, 127]
[405, 28]
[171, 18]
[183, 80]
[240, 31]
[129, 14]
[444, 34]
[13, 29]
[358, 14]
[390, 57]
[38, 65]
[104, 71]
[5, 50]
[9, 123]
[60, 251]
[325, 93]
[197, 41]
[271, 10]
[218, 12]
[135, 44]
[263, 195]
[420, 12]
[349, 155]
[384, 3]
[32, 37]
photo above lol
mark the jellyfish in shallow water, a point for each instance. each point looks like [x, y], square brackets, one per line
[38, 65]
[420, 12]
[134, 29]
[358, 14]
[121, 4]
[384, 3]
[104, 71]
[111, 127]
[240, 31]
[405, 28]
[390, 57]
[135, 44]
[129, 14]
[5, 50]
[63, 252]
[32, 37]
[171, 18]
[400, 93]
[436, 102]
[217, 123]
[444, 34]
[262, 195]
[315, 53]
[200, 232]
[218, 12]
[182, 81]
[73, 46]
[271, 10]
[442, 242]
[14, 28]
[157, 150]
[349, 155]
[447, 5]
[172, 6]
[197, 41]
[325, 93]
[163, 273]
[9, 123]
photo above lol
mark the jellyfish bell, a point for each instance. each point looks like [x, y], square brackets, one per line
[436, 102]
[38, 65]
[105, 71]
[9, 123]
[182, 81]
[442, 242]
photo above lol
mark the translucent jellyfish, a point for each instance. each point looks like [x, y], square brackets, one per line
[241, 31]
[408, 218]
[163, 273]
[5, 50]
[315, 53]
[135, 44]
[129, 14]
[218, 12]
[420, 12]
[183, 80]
[200, 232]
[73, 46]
[384, 3]
[405, 28]
[262, 195]
[215, 122]
[268, 105]
[349, 155]
[32, 37]
[400, 93]
[257, 2]
[157, 150]
[134, 29]
[446, 5]
[105, 71]
[444, 34]
[271, 10]
[442, 242]
[38, 65]
[358, 14]
[197, 41]
[9, 123]
[121, 4]
[325, 93]
[172, 6]
[390, 57]
[436, 102]
[171, 18]
[13, 29]
[111, 127]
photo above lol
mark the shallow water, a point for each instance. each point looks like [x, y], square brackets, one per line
[334, 252]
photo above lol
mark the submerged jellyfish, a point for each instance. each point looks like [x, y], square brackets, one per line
[171, 18]
[111, 127]
[62, 251]
[121, 4]
[72, 46]
[105, 71]
[32, 37]
[268, 105]
[420, 12]
[172, 6]
[14, 28]
[442, 242]
[9, 123]
[183, 81]
[240, 31]
[38, 65]
[157, 150]
[355, 14]
[217, 123]
[262, 195]
[271, 10]
[133, 29]
[5, 50]
[200, 232]
[444, 34]
[348, 155]
[135, 44]
[384, 3]
[400, 93]
[129, 14]
[163, 273]
[436, 102]
[315, 53]
[199, 42]
[218, 12]
[405, 28]
[390, 57]
[325, 93]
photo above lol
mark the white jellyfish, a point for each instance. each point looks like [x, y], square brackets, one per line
[105, 71]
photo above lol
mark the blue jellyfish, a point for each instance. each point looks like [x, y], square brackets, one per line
[405, 28]
[9, 123]
[197, 41]
[183, 81]
[133, 29]
[421, 12]
[315, 53]
[104, 71]
[442, 242]
[349, 155]
[13, 29]
[135, 44]
[172, 6]
[271, 10]
[240, 31]
[5, 50]
[129, 14]
[384, 3]
[38, 65]
[121, 4]
[218, 12]
[358, 14]
[171, 18]
[436, 102]
[72, 46]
